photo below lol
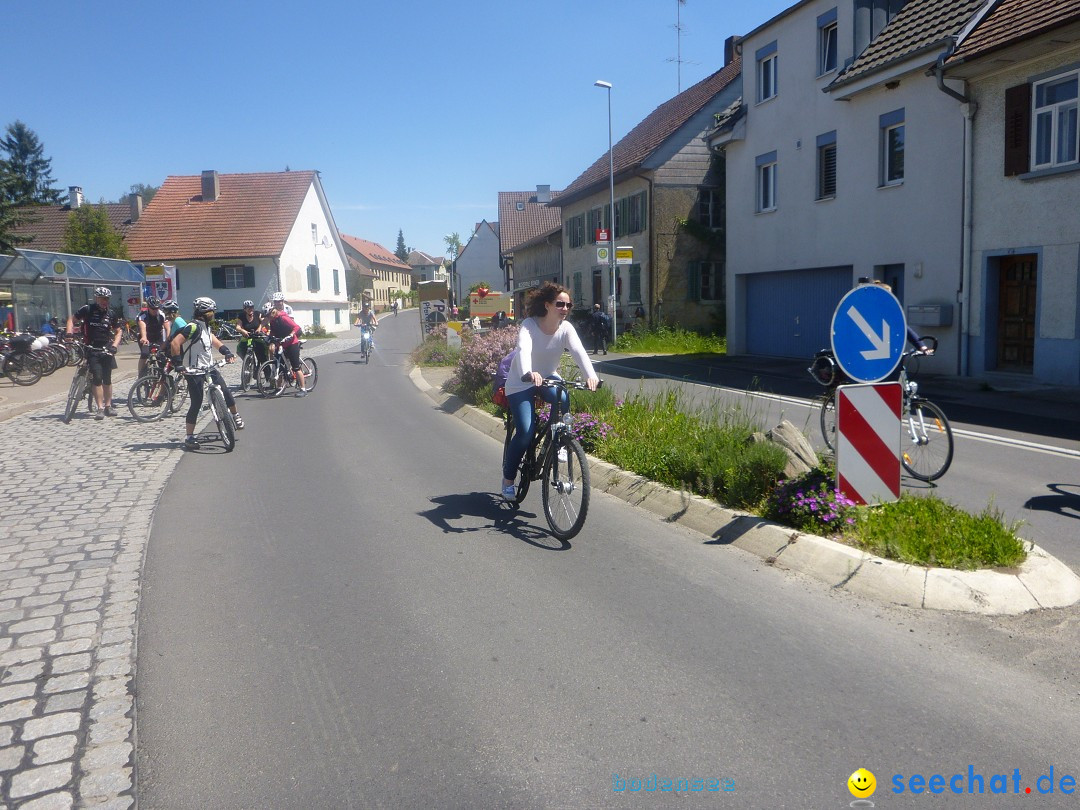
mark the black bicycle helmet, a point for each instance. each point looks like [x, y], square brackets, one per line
[170, 306]
[247, 304]
[153, 303]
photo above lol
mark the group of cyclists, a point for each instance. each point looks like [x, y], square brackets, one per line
[189, 343]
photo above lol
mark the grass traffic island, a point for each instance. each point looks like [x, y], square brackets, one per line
[709, 451]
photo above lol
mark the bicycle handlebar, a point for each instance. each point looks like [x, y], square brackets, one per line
[202, 371]
[559, 382]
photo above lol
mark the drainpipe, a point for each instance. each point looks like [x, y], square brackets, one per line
[963, 293]
[654, 294]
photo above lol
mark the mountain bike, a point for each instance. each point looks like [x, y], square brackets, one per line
[927, 449]
[160, 391]
[555, 457]
[251, 359]
[214, 399]
[275, 374]
[80, 385]
[21, 364]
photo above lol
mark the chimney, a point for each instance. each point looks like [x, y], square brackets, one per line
[136, 207]
[729, 49]
[543, 194]
[209, 186]
[75, 198]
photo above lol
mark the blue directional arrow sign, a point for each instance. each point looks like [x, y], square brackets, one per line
[868, 333]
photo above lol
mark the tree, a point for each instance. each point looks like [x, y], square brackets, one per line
[30, 171]
[146, 191]
[89, 233]
[401, 251]
[11, 217]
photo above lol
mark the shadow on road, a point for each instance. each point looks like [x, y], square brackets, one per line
[1062, 502]
[492, 510]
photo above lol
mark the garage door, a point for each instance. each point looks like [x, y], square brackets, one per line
[788, 313]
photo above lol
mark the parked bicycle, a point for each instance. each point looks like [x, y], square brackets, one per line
[80, 388]
[275, 375]
[555, 457]
[159, 392]
[214, 400]
[927, 449]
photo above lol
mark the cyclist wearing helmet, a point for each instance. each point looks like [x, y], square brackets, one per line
[286, 331]
[200, 340]
[101, 330]
[251, 323]
[151, 325]
[173, 321]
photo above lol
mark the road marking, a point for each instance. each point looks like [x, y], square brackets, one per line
[989, 438]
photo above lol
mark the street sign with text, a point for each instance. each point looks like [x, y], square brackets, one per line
[603, 235]
[868, 333]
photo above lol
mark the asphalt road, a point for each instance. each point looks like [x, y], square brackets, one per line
[341, 614]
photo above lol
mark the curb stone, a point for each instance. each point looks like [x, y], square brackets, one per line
[1041, 582]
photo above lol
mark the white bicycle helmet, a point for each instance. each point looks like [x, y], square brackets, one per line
[102, 292]
[203, 305]
[170, 306]
[278, 296]
[247, 304]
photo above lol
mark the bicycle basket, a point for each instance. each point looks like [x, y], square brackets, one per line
[823, 369]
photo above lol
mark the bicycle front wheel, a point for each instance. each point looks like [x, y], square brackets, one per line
[75, 395]
[271, 379]
[566, 487]
[150, 398]
[225, 423]
[248, 369]
[828, 420]
[928, 441]
[311, 373]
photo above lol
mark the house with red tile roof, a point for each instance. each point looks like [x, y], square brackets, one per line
[45, 225]
[426, 267]
[1019, 62]
[523, 217]
[845, 161]
[237, 237]
[664, 177]
[389, 276]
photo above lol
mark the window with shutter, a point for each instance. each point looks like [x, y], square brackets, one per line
[693, 282]
[217, 278]
[1017, 129]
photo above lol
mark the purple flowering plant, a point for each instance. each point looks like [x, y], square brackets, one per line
[588, 429]
[810, 503]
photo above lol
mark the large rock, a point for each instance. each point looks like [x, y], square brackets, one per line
[801, 455]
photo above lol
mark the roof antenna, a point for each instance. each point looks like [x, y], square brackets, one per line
[678, 60]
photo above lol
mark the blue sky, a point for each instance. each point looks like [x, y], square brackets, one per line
[416, 112]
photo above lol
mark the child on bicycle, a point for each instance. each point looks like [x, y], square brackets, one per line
[544, 334]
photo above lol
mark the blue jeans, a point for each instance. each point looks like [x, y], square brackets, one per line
[521, 407]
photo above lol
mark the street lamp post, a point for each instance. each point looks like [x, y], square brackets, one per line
[611, 190]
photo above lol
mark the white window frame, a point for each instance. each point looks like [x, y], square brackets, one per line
[828, 43]
[1051, 116]
[234, 276]
[890, 124]
[767, 70]
[766, 183]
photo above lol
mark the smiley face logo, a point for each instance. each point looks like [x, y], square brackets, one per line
[862, 784]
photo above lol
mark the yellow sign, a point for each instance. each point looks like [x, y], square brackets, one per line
[624, 255]
[154, 270]
[59, 268]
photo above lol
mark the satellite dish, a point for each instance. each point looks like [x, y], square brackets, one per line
[326, 241]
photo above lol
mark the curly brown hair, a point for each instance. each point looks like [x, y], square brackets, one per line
[536, 304]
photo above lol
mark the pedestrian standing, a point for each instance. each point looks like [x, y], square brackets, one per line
[599, 322]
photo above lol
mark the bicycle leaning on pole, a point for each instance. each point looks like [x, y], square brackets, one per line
[555, 457]
[927, 449]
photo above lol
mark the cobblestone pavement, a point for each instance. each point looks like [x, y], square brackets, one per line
[76, 506]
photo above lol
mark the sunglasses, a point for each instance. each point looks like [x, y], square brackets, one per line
[563, 304]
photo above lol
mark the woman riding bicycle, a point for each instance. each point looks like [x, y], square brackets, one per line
[543, 337]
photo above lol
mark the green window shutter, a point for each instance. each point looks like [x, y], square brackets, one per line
[693, 281]
[249, 276]
[217, 278]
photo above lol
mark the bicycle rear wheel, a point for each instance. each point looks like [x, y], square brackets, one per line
[828, 420]
[225, 423]
[22, 368]
[271, 379]
[75, 395]
[311, 373]
[566, 488]
[150, 398]
[928, 441]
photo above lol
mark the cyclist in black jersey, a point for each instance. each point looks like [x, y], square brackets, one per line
[101, 330]
[151, 324]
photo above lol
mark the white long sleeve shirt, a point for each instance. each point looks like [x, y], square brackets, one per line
[540, 352]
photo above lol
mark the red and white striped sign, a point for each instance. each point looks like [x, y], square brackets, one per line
[868, 442]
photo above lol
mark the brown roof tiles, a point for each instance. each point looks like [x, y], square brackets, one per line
[1011, 21]
[50, 222]
[252, 216]
[519, 226]
[375, 253]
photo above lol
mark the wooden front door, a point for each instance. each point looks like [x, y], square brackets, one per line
[1016, 313]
